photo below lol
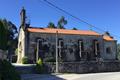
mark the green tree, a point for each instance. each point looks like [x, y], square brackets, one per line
[3, 37]
[39, 66]
[7, 71]
[61, 23]
[51, 25]
[8, 36]
[74, 28]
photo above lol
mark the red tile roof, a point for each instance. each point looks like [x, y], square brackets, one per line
[63, 31]
[108, 38]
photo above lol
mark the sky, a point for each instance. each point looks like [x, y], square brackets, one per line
[104, 14]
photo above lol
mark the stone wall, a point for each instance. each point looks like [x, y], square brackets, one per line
[83, 67]
[113, 50]
[73, 67]
[70, 49]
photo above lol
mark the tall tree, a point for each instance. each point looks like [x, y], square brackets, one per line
[3, 37]
[62, 22]
[51, 25]
[10, 34]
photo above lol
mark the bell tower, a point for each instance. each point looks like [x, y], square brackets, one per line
[23, 17]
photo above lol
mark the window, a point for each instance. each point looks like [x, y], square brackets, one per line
[81, 47]
[60, 46]
[108, 50]
[40, 43]
[96, 47]
[60, 43]
[39, 49]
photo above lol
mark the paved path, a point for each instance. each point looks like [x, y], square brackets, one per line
[93, 76]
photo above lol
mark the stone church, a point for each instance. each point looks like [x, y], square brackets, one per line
[71, 45]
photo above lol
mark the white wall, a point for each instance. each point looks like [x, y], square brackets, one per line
[21, 45]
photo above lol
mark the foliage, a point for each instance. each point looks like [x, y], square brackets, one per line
[3, 37]
[74, 28]
[25, 60]
[39, 66]
[7, 71]
[16, 51]
[39, 62]
[62, 22]
[51, 25]
[8, 35]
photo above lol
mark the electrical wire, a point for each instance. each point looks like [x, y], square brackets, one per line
[66, 12]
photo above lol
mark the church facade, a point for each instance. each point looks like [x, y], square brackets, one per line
[71, 45]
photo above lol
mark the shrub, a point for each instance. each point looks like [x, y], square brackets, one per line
[7, 71]
[39, 66]
[25, 60]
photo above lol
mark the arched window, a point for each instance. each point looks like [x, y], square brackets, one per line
[39, 53]
[96, 47]
[81, 47]
[60, 43]
[60, 46]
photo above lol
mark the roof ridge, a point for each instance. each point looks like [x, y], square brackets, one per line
[60, 29]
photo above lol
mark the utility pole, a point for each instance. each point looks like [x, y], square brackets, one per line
[56, 51]
[37, 50]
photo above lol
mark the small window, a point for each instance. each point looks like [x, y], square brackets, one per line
[96, 48]
[108, 50]
[81, 46]
[60, 43]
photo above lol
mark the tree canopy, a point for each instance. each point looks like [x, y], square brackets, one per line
[51, 25]
[61, 23]
[3, 37]
[8, 35]
[74, 28]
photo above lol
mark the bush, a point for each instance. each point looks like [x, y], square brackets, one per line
[25, 60]
[7, 71]
[39, 66]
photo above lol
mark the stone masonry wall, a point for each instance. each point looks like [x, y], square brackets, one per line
[83, 67]
[73, 67]
[113, 53]
[70, 43]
